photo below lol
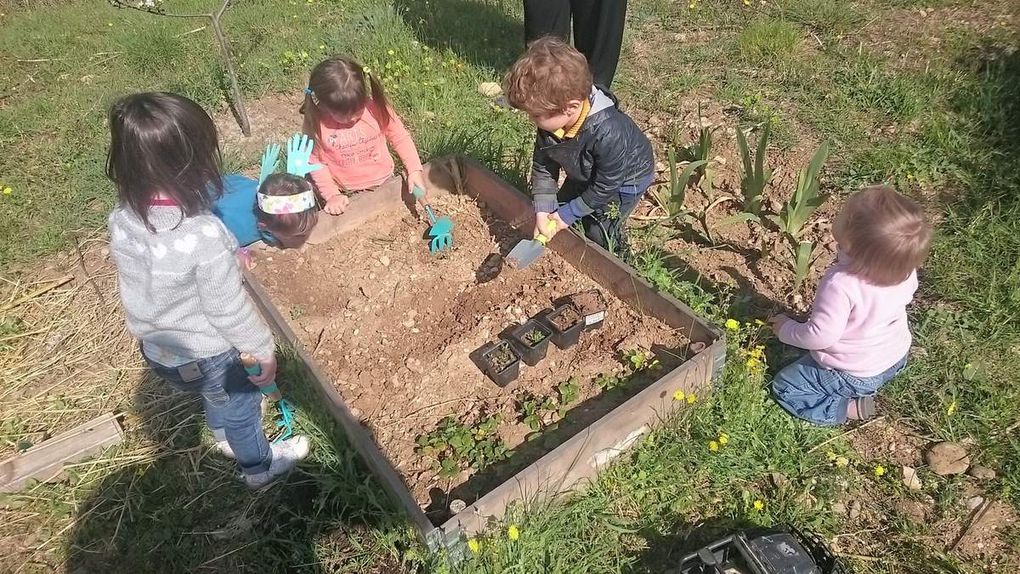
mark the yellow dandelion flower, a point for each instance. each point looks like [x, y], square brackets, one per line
[474, 545]
[830, 455]
[713, 446]
[949, 411]
[747, 2]
[679, 396]
[390, 52]
[513, 532]
[842, 461]
[691, 399]
[8, 190]
[759, 505]
[724, 438]
[732, 324]
[322, 46]
[752, 363]
[879, 470]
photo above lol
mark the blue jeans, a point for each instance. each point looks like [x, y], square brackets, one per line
[819, 395]
[232, 403]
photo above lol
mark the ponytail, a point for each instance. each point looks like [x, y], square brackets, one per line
[381, 109]
[310, 123]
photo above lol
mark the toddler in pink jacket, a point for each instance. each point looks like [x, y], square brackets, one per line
[857, 335]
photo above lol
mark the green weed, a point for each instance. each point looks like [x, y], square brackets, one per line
[455, 445]
[768, 40]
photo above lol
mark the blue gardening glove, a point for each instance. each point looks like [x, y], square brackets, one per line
[299, 149]
[269, 160]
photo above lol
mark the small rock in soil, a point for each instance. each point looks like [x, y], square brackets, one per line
[384, 260]
[981, 472]
[947, 458]
[839, 508]
[778, 479]
[910, 478]
[855, 509]
[974, 502]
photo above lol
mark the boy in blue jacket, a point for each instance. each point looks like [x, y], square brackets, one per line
[607, 159]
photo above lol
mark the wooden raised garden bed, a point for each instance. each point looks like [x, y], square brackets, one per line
[396, 340]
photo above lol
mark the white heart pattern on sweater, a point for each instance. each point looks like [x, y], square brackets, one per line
[187, 244]
[210, 231]
[159, 250]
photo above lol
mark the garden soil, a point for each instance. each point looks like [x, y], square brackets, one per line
[395, 327]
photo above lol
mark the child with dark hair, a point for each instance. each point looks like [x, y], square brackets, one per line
[582, 132]
[180, 285]
[857, 336]
[351, 121]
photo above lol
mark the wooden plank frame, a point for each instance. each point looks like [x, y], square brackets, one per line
[580, 457]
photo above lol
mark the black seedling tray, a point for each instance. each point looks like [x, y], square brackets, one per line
[569, 336]
[487, 357]
[531, 352]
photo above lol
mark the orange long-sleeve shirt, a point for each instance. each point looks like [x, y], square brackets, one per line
[356, 157]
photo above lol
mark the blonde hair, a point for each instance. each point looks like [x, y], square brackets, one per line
[885, 235]
[547, 77]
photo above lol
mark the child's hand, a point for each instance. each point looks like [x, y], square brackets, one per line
[417, 179]
[337, 204]
[777, 322]
[542, 226]
[267, 376]
[244, 259]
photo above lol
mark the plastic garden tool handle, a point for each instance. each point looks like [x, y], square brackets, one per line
[254, 368]
[299, 149]
[269, 160]
[430, 214]
[550, 229]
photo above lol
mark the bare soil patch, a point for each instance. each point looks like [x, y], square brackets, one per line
[395, 327]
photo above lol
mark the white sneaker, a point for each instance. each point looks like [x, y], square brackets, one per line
[286, 455]
[225, 449]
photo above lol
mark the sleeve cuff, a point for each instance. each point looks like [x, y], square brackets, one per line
[574, 210]
[545, 203]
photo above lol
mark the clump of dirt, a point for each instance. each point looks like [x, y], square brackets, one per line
[396, 328]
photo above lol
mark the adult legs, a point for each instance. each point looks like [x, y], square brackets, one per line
[598, 34]
[546, 18]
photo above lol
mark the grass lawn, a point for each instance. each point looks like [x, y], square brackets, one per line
[923, 95]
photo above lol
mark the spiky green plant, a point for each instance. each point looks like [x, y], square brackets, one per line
[756, 175]
[671, 199]
[802, 252]
[806, 199]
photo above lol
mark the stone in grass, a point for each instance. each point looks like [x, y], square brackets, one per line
[910, 478]
[981, 472]
[490, 89]
[947, 458]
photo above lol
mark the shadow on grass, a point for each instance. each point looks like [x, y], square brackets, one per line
[482, 33]
[183, 508]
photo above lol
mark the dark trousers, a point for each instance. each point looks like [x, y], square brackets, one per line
[598, 29]
[605, 226]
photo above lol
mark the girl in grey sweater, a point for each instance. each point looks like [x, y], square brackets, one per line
[180, 285]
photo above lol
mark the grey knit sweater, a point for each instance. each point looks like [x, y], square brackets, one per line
[181, 287]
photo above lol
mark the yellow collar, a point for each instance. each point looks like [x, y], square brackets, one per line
[572, 132]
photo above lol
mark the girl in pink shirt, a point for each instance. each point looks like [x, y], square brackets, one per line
[857, 335]
[351, 121]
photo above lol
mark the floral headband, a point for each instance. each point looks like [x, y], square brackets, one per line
[299, 150]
